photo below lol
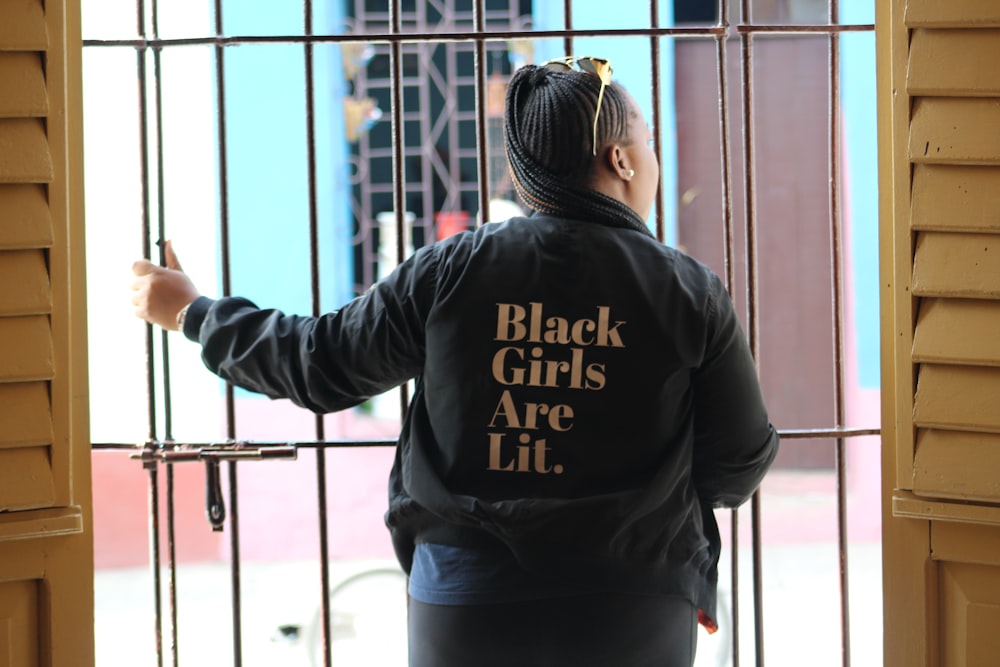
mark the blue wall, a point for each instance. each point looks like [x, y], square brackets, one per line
[268, 159]
[861, 185]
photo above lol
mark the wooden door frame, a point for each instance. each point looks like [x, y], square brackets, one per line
[907, 570]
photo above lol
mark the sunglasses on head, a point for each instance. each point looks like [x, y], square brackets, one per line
[599, 67]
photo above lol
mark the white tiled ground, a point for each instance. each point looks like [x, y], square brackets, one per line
[802, 622]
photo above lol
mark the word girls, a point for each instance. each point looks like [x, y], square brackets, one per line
[514, 365]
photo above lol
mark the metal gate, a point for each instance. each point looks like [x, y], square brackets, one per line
[419, 84]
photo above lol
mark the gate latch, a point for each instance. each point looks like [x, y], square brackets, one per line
[212, 454]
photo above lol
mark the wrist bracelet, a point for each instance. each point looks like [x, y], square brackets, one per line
[181, 314]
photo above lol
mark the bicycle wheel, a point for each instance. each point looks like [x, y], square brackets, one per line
[367, 621]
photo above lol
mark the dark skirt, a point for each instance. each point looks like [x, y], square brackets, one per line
[600, 630]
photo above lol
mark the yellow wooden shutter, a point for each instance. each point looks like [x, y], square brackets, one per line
[46, 554]
[941, 254]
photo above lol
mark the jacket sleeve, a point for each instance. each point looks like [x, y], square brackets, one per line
[735, 442]
[326, 363]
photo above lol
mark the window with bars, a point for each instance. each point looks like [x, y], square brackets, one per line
[250, 138]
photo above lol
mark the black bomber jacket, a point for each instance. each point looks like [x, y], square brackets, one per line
[584, 395]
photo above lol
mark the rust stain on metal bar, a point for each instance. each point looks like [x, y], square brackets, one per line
[836, 224]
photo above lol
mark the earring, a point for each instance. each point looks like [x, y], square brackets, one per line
[629, 173]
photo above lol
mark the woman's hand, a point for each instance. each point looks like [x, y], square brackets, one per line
[162, 292]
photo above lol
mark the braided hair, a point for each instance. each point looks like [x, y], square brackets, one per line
[548, 123]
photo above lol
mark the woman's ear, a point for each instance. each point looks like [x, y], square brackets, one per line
[619, 163]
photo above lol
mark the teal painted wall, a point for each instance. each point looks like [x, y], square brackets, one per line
[268, 159]
[861, 184]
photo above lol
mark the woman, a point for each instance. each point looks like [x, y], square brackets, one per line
[584, 398]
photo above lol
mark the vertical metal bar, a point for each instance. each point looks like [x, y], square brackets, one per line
[482, 145]
[654, 54]
[140, 54]
[154, 553]
[758, 577]
[324, 549]
[396, 112]
[234, 535]
[722, 61]
[151, 465]
[398, 184]
[838, 329]
[172, 564]
[568, 15]
[753, 333]
[234, 548]
[426, 55]
[314, 275]
[220, 88]
[454, 196]
[734, 555]
[164, 340]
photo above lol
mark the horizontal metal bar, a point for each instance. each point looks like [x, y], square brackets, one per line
[157, 445]
[182, 455]
[825, 28]
[791, 434]
[187, 452]
[173, 451]
[486, 36]
[407, 37]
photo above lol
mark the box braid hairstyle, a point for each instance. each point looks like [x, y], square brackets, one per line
[548, 130]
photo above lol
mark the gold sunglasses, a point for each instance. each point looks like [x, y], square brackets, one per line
[599, 67]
